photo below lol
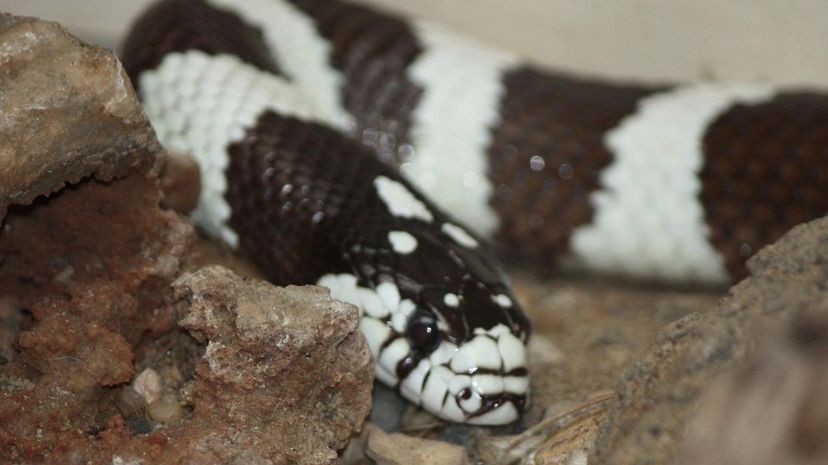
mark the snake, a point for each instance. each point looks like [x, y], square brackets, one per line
[397, 163]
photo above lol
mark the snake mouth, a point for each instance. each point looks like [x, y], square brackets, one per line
[480, 397]
[489, 399]
[499, 409]
[484, 381]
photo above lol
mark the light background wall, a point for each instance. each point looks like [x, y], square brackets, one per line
[784, 41]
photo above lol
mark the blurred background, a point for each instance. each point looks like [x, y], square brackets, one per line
[784, 41]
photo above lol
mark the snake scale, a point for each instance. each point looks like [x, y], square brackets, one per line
[381, 157]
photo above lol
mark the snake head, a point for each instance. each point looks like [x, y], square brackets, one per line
[467, 342]
[440, 319]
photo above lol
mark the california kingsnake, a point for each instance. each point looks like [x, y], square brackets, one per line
[301, 113]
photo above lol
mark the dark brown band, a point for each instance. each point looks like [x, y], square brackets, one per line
[764, 172]
[547, 153]
[373, 51]
[181, 25]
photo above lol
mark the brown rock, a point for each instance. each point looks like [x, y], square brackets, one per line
[180, 182]
[86, 250]
[69, 112]
[661, 392]
[772, 408]
[285, 377]
[92, 261]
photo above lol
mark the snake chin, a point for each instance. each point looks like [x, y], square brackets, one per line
[480, 399]
[482, 381]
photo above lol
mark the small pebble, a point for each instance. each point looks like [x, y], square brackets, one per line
[166, 410]
[148, 385]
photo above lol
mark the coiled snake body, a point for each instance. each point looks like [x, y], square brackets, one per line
[332, 138]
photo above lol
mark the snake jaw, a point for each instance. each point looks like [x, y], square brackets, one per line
[472, 382]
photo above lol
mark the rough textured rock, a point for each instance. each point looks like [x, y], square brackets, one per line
[285, 376]
[94, 368]
[68, 109]
[661, 392]
[91, 263]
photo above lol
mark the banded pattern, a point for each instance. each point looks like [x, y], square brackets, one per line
[551, 161]
[575, 168]
[303, 114]
[372, 51]
[765, 171]
[283, 184]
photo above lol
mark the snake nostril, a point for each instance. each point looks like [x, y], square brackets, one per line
[465, 394]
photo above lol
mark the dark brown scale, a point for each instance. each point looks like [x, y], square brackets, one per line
[546, 154]
[373, 52]
[181, 25]
[764, 172]
[289, 196]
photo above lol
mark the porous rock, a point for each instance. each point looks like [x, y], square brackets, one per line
[660, 393]
[87, 258]
[285, 375]
[85, 250]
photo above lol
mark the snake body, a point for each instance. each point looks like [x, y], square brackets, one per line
[333, 139]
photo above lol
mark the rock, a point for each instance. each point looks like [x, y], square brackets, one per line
[69, 112]
[660, 393]
[148, 385]
[87, 259]
[11, 319]
[84, 246]
[180, 182]
[772, 408]
[285, 376]
[401, 449]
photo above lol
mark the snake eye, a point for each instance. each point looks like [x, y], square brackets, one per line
[423, 333]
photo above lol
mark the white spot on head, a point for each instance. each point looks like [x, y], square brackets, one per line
[343, 287]
[498, 330]
[451, 300]
[503, 300]
[371, 303]
[459, 235]
[402, 242]
[400, 201]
